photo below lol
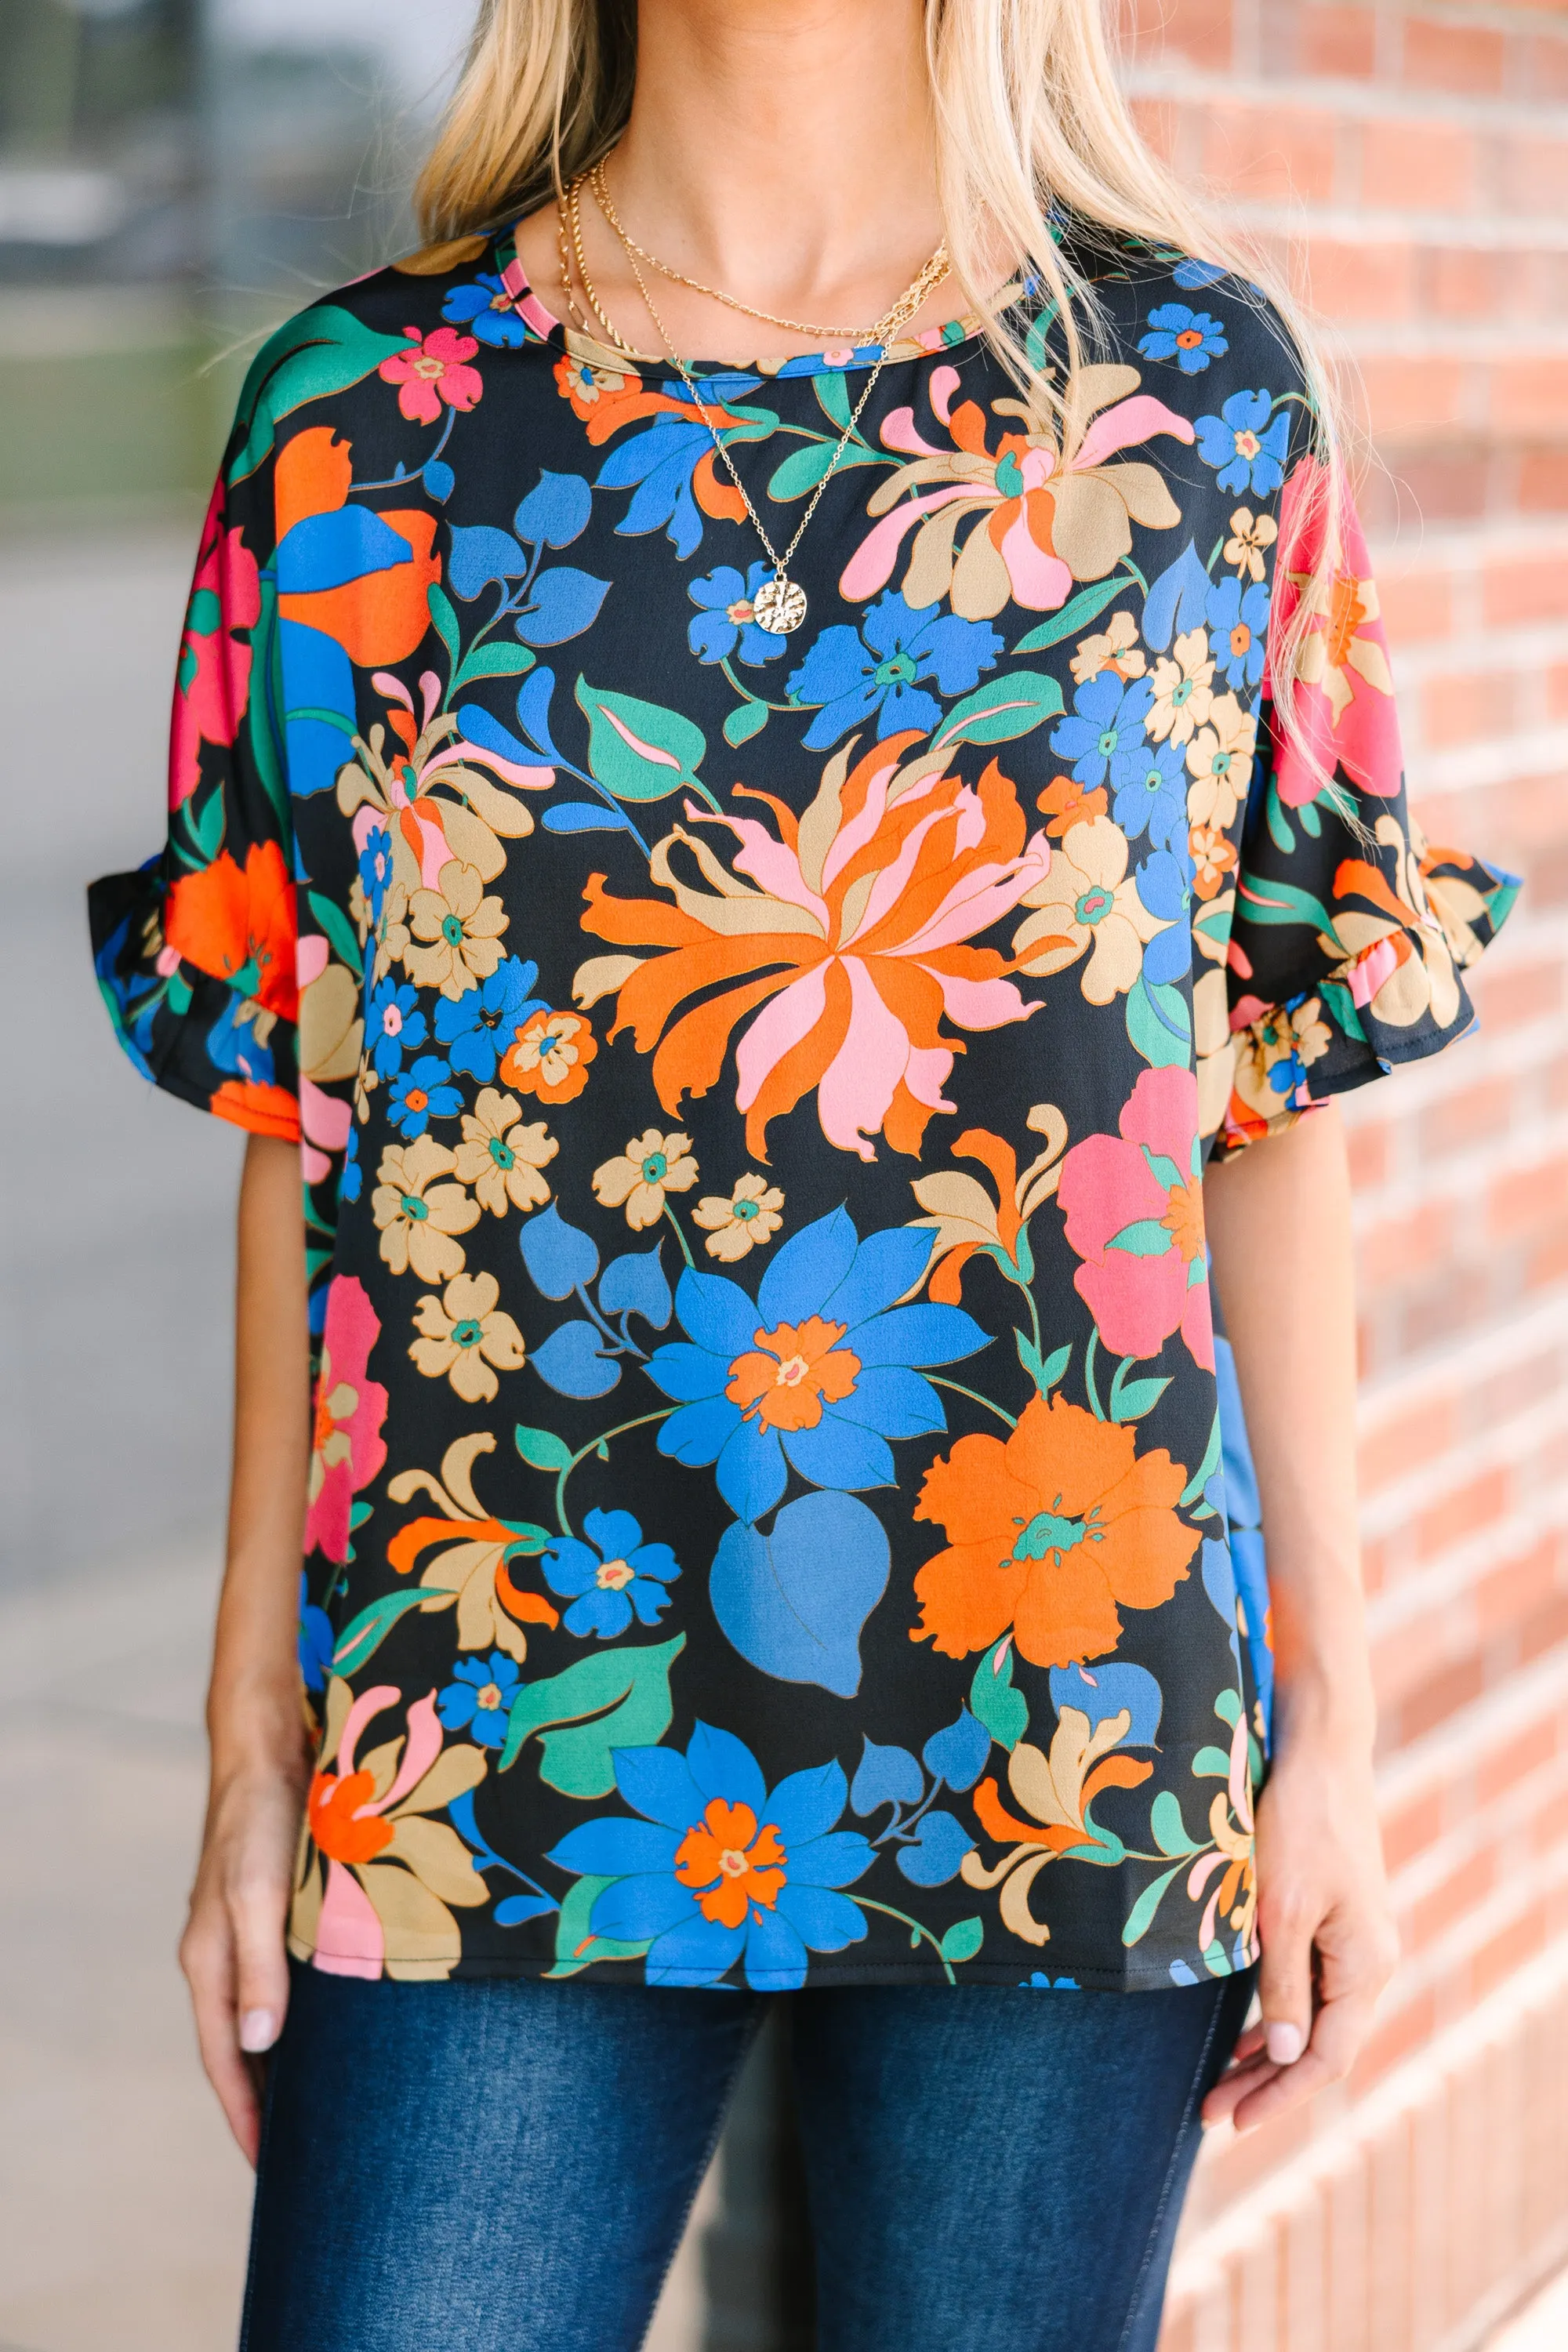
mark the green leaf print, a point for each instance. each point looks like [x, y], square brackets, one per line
[541, 1449]
[963, 1940]
[1160, 1024]
[994, 1702]
[1000, 709]
[446, 620]
[1072, 618]
[1170, 1830]
[747, 719]
[493, 661]
[1141, 1918]
[619, 1698]
[576, 1945]
[338, 930]
[637, 749]
[322, 352]
[364, 1634]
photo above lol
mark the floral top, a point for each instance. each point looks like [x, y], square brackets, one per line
[779, 1513]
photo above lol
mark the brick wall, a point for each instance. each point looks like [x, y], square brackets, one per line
[1413, 163]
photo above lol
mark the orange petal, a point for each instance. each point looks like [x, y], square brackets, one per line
[1060, 1449]
[312, 476]
[1067, 1613]
[967, 1597]
[385, 616]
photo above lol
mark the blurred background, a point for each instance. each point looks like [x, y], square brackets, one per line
[176, 177]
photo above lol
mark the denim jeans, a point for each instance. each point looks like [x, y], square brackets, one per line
[505, 2166]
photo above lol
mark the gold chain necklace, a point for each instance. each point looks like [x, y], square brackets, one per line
[779, 606]
[924, 284]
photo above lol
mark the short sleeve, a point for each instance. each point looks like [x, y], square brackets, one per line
[1351, 935]
[196, 952]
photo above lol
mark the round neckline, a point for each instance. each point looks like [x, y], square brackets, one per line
[835, 360]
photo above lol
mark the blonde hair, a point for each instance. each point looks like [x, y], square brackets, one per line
[1030, 115]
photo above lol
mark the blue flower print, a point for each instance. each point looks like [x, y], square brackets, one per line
[1238, 625]
[1165, 885]
[1152, 796]
[375, 870]
[857, 675]
[815, 1375]
[657, 464]
[1191, 338]
[1191, 275]
[718, 1870]
[485, 307]
[725, 617]
[479, 1701]
[1105, 734]
[317, 1640]
[610, 1575]
[350, 1176]
[477, 1030]
[420, 1094]
[1246, 445]
[1040, 1982]
[394, 1025]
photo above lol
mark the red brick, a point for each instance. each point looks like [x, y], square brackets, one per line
[1463, 1891]
[1367, 1144]
[1397, 1447]
[1461, 282]
[1337, 41]
[1398, 2033]
[1268, 151]
[1417, 166]
[1416, 394]
[1539, 67]
[1526, 588]
[1416, 605]
[1535, 174]
[1547, 1266]
[1477, 1115]
[1403, 1246]
[1462, 1512]
[1199, 30]
[1413, 1828]
[1508, 1950]
[1361, 281]
[1421, 1710]
[1523, 1753]
[1528, 393]
[1156, 123]
[1517, 994]
[1543, 480]
[1464, 57]
[1460, 1299]
[1557, 690]
[1521, 1203]
[1517, 1592]
[1456, 709]
[1544, 1630]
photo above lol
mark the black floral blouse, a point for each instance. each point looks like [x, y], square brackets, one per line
[780, 1512]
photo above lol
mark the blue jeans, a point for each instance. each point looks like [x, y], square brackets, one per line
[507, 2167]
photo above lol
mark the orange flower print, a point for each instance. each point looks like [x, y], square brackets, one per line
[548, 1056]
[1213, 858]
[729, 1860]
[856, 924]
[784, 1384]
[237, 924]
[1051, 1533]
[596, 393]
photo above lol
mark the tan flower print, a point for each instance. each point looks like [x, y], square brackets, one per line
[1219, 761]
[461, 928]
[1213, 859]
[549, 1055]
[417, 1217]
[1116, 648]
[1183, 689]
[1087, 901]
[752, 1216]
[1249, 535]
[501, 1158]
[464, 1333]
[652, 1165]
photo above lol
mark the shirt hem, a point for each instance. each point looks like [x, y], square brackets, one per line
[832, 1973]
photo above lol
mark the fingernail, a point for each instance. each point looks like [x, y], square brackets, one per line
[1284, 2045]
[259, 2031]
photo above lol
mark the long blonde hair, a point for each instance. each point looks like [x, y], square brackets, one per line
[1030, 114]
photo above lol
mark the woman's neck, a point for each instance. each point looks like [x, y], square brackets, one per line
[786, 155]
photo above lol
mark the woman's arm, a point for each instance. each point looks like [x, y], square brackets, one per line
[232, 1951]
[1279, 1235]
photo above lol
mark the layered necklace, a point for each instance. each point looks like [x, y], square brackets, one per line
[779, 606]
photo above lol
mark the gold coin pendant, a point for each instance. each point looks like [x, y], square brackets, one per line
[779, 606]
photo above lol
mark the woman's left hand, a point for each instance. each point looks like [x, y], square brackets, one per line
[1329, 1944]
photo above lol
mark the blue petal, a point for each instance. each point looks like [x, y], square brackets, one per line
[724, 1765]
[895, 1402]
[607, 1615]
[616, 1533]
[837, 1859]
[957, 1754]
[793, 1601]
[327, 551]
[751, 1472]
[697, 1951]
[659, 1782]
[649, 1600]
[556, 511]
[574, 1363]
[716, 1313]
[1105, 1690]
[689, 1373]
[840, 1454]
[570, 1567]
[636, 1908]
[613, 1849]
[558, 1255]
[481, 554]
[825, 1921]
[775, 1957]
[655, 1560]
[835, 717]
[920, 1335]
[808, 1269]
[712, 636]
[699, 1432]
[887, 1267]
[807, 1804]
[907, 706]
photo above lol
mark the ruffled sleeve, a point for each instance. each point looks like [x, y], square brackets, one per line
[1350, 933]
[196, 952]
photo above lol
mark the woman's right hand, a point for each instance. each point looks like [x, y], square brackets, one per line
[232, 1951]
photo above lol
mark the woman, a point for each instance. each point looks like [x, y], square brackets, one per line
[757, 862]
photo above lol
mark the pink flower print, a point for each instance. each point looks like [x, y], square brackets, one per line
[211, 683]
[348, 1448]
[1134, 1215]
[1343, 684]
[432, 370]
